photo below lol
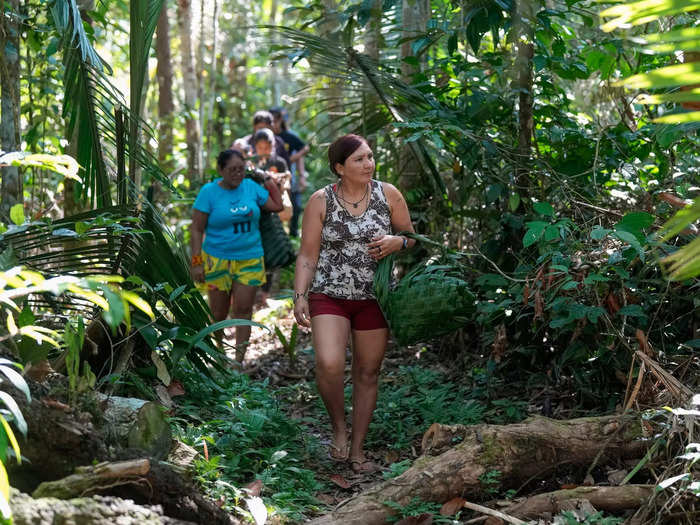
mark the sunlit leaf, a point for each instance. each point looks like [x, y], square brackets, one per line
[676, 75]
[11, 437]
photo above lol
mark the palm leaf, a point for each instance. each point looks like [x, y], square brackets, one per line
[124, 240]
[91, 101]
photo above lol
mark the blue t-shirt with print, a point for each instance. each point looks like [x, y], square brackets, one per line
[233, 226]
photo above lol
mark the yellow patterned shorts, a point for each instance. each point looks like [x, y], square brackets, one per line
[220, 274]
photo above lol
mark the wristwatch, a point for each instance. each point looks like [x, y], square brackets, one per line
[297, 295]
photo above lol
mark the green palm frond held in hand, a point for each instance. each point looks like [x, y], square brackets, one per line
[431, 300]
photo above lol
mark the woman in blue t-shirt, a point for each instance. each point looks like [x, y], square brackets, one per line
[229, 261]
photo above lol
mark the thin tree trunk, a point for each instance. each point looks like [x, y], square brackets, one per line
[200, 83]
[213, 85]
[415, 16]
[189, 81]
[166, 106]
[10, 105]
[523, 22]
[334, 90]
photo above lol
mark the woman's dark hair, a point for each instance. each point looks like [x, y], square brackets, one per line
[262, 116]
[226, 155]
[263, 134]
[278, 113]
[342, 148]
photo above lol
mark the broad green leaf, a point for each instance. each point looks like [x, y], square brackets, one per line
[17, 214]
[11, 437]
[533, 234]
[514, 201]
[551, 233]
[595, 278]
[598, 233]
[26, 316]
[544, 208]
[630, 239]
[632, 310]
[635, 222]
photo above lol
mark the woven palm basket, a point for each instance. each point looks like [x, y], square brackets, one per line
[431, 300]
[277, 246]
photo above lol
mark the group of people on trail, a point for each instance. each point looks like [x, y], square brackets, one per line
[347, 227]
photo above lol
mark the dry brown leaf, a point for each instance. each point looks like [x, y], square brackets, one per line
[175, 388]
[340, 481]
[391, 456]
[526, 294]
[500, 343]
[672, 199]
[612, 305]
[539, 305]
[54, 403]
[326, 498]
[452, 507]
[254, 488]
[643, 342]
[423, 519]
[38, 371]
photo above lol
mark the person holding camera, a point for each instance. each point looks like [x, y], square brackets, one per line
[225, 242]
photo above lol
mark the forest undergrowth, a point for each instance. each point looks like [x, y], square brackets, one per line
[263, 433]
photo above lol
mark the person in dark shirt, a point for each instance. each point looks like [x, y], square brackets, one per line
[261, 120]
[268, 161]
[297, 149]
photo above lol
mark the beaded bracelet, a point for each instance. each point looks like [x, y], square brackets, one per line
[197, 260]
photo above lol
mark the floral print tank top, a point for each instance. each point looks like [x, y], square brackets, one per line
[345, 269]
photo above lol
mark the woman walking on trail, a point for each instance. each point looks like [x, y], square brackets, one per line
[346, 228]
[227, 253]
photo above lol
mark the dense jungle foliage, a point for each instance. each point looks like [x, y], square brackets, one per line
[544, 148]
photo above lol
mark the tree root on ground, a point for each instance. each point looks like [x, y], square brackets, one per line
[520, 452]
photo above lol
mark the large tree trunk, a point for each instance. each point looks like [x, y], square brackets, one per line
[519, 452]
[10, 105]
[416, 14]
[189, 82]
[166, 106]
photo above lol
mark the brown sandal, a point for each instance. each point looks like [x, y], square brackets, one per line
[366, 466]
[342, 456]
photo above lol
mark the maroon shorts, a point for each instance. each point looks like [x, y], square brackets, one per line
[363, 314]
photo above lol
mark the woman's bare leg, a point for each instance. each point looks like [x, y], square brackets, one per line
[368, 352]
[243, 300]
[330, 335]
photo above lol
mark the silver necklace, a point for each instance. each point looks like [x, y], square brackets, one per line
[353, 204]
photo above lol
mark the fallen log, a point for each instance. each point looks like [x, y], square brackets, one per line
[520, 452]
[92, 479]
[610, 499]
[98, 510]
